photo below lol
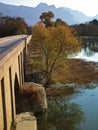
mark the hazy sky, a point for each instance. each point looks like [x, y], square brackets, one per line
[88, 7]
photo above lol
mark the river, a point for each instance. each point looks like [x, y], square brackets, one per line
[78, 111]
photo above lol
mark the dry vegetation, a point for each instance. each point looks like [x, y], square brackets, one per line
[76, 71]
[79, 72]
[55, 92]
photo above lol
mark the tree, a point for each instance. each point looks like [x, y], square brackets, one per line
[59, 22]
[87, 29]
[94, 22]
[46, 18]
[12, 26]
[53, 45]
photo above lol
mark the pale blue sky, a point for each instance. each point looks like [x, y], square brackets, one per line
[88, 7]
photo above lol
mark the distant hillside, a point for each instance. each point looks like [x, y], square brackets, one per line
[31, 14]
[78, 16]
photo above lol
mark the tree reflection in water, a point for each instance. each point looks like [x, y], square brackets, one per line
[61, 116]
[90, 48]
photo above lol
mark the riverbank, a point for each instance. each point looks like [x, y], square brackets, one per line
[78, 73]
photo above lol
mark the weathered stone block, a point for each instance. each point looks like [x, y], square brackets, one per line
[37, 96]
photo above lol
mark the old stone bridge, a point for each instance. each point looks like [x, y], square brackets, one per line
[12, 60]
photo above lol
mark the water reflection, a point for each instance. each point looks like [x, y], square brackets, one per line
[79, 112]
[88, 100]
[61, 116]
[89, 52]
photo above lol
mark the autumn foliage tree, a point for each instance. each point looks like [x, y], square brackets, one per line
[52, 45]
[12, 26]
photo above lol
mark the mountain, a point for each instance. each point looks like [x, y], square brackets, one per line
[31, 14]
[78, 16]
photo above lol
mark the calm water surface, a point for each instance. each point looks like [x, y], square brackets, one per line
[75, 112]
[88, 101]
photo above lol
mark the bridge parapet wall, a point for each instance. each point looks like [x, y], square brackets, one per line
[11, 69]
[5, 39]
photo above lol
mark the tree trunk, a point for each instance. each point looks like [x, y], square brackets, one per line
[46, 81]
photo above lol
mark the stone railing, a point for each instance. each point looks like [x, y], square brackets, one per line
[5, 39]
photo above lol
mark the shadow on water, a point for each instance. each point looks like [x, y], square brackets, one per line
[79, 112]
[60, 116]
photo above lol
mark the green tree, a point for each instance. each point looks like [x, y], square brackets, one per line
[87, 29]
[46, 18]
[53, 45]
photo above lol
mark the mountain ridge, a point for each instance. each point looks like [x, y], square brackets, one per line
[31, 14]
